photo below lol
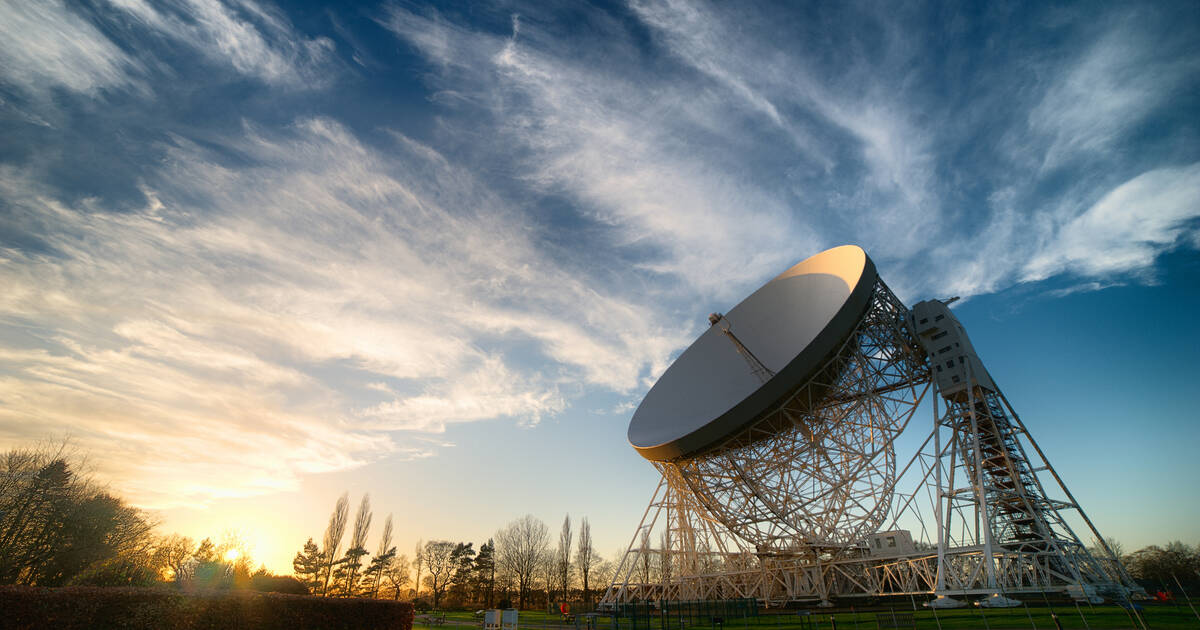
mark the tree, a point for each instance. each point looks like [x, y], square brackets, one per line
[644, 556]
[664, 558]
[548, 571]
[358, 546]
[520, 547]
[308, 566]
[439, 564]
[603, 570]
[206, 551]
[1165, 564]
[382, 558]
[173, 554]
[332, 542]
[462, 561]
[55, 525]
[585, 556]
[485, 569]
[396, 577]
[419, 560]
[563, 559]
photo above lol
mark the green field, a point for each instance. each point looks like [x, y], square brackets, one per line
[1176, 616]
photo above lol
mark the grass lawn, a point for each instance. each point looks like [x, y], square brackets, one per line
[1157, 616]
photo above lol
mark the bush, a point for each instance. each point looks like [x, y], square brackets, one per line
[278, 584]
[71, 608]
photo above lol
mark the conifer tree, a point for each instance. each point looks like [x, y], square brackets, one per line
[308, 566]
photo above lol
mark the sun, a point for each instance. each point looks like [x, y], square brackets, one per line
[232, 555]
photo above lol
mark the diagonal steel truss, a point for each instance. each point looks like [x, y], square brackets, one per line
[782, 511]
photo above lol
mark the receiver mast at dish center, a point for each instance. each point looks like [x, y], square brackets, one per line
[774, 433]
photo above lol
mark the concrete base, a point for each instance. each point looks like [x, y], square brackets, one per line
[996, 600]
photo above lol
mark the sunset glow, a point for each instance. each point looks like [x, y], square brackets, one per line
[255, 255]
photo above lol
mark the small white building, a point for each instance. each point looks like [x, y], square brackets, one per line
[897, 542]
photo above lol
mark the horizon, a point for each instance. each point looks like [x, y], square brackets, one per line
[256, 255]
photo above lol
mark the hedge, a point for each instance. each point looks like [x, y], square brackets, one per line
[120, 608]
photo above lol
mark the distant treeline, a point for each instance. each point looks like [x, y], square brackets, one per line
[520, 564]
[58, 527]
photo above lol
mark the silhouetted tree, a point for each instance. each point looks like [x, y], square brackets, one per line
[419, 561]
[585, 556]
[439, 564]
[397, 575]
[485, 568]
[520, 549]
[562, 559]
[462, 561]
[332, 542]
[381, 560]
[206, 551]
[358, 546]
[644, 556]
[55, 525]
[309, 565]
[1165, 564]
[174, 554]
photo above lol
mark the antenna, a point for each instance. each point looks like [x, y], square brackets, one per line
[789, 490]
[757, 368]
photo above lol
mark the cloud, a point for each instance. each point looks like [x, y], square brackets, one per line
[1104, 94]
[616, 150]
[1126, 229]
[255, 40]
[45, 45]
[310, 295]
[302, 312]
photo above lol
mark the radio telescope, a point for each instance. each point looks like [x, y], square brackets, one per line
[775, 432]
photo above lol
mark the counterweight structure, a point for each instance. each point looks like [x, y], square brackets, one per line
[803, 504]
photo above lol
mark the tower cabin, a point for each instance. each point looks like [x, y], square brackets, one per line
[952, 357]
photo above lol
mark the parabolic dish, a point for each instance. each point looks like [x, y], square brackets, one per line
[793, 325]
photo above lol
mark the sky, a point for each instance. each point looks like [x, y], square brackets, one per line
[255, 255]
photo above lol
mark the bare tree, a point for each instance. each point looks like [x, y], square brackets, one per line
[384, 557]
[333, 537]
[439, 562]
[174, 553]
[419, 560]
[358, 544]
[520, 546]
[563, 559]
[585, 556]
[664, 558]
[548, 570]
[644, 556]
[603, 572]
[397, 575]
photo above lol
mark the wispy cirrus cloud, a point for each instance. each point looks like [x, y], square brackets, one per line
[1126, 229]
[602, 139]
[46, 45]
[272, 293]
[256, 40]
[1104, 93]
[222, 313]
[737, 147]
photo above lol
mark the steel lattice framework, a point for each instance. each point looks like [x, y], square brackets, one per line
[782, 510]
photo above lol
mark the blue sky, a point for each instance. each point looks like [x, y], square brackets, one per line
[254, 254]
